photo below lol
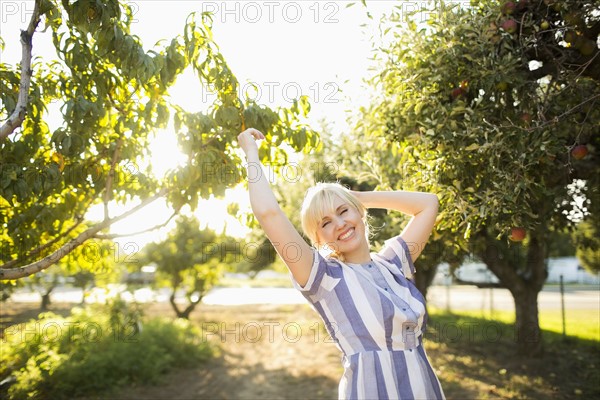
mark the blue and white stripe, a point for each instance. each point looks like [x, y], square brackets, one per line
[376, 316]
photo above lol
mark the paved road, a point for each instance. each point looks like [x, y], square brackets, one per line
[459, 297]
[473, 298]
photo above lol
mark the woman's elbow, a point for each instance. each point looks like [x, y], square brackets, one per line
[434, 202]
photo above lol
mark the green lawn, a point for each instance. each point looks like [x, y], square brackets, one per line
[477, 355]
[582, 324]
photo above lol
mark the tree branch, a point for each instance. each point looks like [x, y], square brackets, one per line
[490, 254]
[39, 249]
[16, 273]
[18, 115]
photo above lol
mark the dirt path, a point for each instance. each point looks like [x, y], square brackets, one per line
[267, 352]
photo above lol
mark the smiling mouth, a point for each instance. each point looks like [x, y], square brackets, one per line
[347, 234]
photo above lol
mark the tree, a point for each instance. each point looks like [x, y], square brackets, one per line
[504, 142]
[587, 243]
[367, 162]
[190, 259]
[258, 254]
[113, 96]
[44, 283]
[85, 281]
[6, 289]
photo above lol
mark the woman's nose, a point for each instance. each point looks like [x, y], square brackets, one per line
[339, 222]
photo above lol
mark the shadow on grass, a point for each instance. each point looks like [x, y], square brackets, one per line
[478, 358]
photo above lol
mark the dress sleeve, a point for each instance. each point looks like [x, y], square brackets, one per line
[324, 276]
[396, 251]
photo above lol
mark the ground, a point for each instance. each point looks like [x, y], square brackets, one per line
[283, 352]
[267, 352]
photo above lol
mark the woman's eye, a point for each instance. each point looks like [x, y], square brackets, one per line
[344, 210]
[325, 224]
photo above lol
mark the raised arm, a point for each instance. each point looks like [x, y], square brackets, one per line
[291, 247]
[422, 206]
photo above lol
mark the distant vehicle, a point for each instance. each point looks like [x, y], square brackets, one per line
[476, 273]
[571, 271]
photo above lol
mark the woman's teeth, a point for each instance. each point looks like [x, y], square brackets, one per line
[347, 234]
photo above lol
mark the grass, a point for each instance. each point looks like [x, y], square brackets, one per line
[581, 324]
[477, 358]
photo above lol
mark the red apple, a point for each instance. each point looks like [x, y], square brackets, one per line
[517, 234]
[526, 118]
[579, 151]
[509, 7]
[510, 25]
[458, 92]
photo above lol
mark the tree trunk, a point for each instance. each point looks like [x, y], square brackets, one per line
[524, 276]
[188, 310]
[528, 334]
[424, 277]
[45, 301]
[174, 305]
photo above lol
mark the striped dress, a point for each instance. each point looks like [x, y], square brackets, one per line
[376, 316]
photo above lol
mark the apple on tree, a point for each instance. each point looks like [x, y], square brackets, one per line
[457, 92]
[509, 25]
[580, 151]
[517, 234]
[508, 8]
[526, 118]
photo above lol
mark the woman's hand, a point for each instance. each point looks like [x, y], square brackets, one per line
[247, 140]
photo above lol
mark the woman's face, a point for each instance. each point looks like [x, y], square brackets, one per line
[343, 229]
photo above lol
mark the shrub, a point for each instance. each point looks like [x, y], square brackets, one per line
[93, 351]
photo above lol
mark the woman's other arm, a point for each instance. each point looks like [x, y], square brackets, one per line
[423, 207]
[291, 247]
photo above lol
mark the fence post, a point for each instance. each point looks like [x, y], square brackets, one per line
[448, 282]
[562, 306]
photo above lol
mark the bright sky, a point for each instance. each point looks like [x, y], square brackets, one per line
[286, 48]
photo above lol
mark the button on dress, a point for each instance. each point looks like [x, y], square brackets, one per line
[376, 316]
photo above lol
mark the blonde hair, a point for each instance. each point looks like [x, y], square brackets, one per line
[319, 201]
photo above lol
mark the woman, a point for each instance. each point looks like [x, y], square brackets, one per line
[370, 306]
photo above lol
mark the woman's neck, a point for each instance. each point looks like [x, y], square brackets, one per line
[361, 256]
